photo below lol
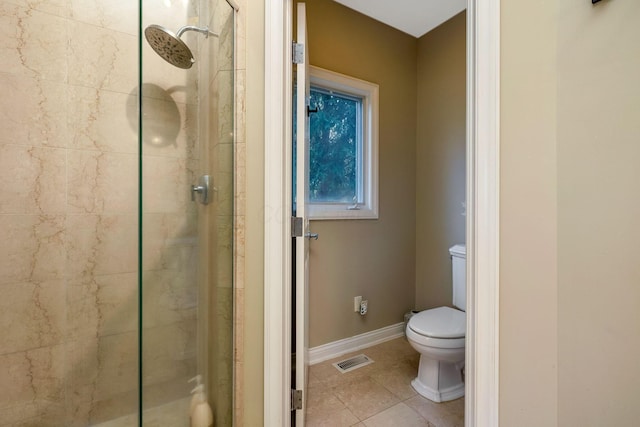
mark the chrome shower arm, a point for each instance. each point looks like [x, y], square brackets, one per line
[201, 30]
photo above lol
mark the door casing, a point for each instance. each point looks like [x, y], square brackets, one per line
[483, 180]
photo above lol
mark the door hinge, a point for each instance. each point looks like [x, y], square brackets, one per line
[296, 400]
[298, 53]
[297, 226]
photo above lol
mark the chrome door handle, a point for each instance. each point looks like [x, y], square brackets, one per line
[313, 236]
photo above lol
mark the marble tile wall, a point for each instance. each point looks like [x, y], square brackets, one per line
[239, 213]
[68, 211]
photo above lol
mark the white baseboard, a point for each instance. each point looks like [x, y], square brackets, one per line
[355, 343]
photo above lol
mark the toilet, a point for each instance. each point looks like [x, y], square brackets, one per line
[438, 335]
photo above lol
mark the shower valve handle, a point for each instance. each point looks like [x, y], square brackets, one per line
[202, 189]
[196, 189]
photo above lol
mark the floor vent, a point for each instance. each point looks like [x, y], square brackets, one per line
[352, 363]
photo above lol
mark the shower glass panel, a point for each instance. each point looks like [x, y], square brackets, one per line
[116, 286]
[187, 208]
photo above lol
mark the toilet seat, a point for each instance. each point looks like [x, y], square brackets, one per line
[441, 322]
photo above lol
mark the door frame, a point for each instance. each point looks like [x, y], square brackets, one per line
[483, 188]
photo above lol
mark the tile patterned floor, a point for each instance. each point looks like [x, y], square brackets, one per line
[377, 395]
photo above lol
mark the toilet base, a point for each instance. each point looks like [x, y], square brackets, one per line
[451, 393]
[439, 381]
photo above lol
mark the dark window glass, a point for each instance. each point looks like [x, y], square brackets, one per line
[334, 147]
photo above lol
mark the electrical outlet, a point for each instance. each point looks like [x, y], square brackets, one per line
[356, 304]
[364, 307]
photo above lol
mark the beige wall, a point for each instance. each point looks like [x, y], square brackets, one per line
[598, 136]
[528, 272]
[569, 271]
[440, 154]
[372, 258]
[251, 36]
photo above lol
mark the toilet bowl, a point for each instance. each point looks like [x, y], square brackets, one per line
[438, 335]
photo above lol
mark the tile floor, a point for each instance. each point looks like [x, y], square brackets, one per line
[376, 395]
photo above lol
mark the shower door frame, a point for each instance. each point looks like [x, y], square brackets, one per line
[483, 190]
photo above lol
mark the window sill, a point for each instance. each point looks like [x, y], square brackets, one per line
[322, 212]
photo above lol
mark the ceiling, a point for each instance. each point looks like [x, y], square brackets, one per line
[414, 17]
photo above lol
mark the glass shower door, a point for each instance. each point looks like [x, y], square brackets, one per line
[186, 209]
[116, 286]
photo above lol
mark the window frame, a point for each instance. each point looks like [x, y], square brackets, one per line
[367, 152]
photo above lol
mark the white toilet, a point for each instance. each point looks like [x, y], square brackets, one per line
[438, 335]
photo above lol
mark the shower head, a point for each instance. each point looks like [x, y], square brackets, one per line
[169, 45]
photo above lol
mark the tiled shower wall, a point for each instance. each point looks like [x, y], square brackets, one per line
[68, 211]
[239, 214]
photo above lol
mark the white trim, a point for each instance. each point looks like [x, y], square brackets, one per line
[277, 214]
[358, 342]
[483, 226]
[342, 82]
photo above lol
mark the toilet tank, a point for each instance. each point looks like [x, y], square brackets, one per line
[459, 267]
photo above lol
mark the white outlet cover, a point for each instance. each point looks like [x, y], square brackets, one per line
[356, 303]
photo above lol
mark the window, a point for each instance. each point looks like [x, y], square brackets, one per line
[343, 147]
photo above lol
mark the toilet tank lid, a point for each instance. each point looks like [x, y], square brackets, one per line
[441, 322]
[458, 250]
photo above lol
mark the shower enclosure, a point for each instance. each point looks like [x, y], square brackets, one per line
[116, 272]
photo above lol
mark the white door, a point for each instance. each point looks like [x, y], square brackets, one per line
[302, 243]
